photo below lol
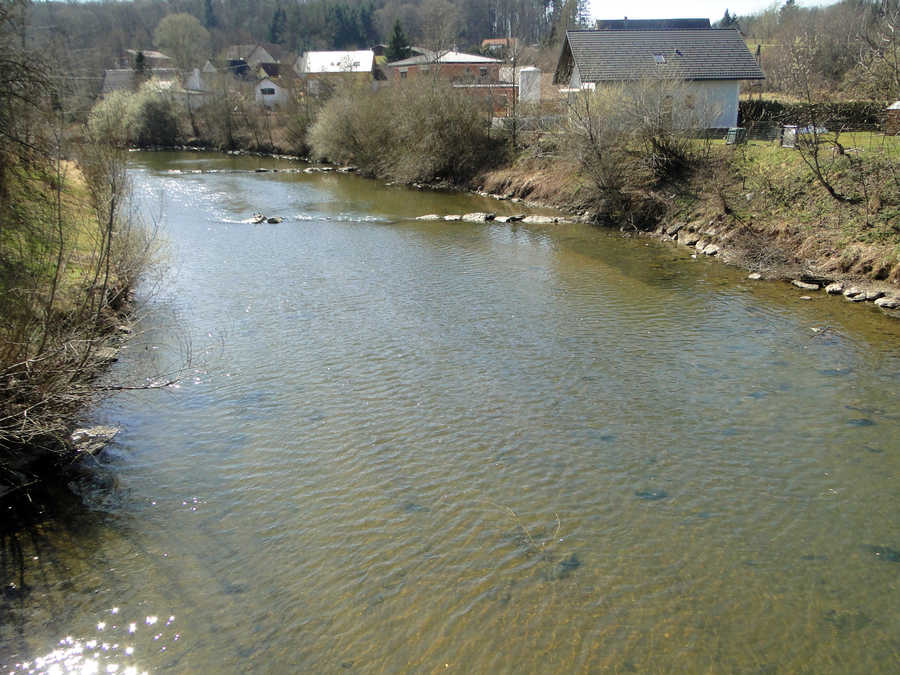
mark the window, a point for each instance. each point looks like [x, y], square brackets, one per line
[482, 72]
[267, 91]
[403, 73]
[659, 58]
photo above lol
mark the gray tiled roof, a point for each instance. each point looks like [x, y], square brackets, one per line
[704, 54]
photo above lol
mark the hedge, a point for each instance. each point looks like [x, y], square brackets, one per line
[848, 116]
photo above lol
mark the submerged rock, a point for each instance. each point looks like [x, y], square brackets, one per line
[567, 566]
[805, 285]
[755, 276]
[651, 495]
[91, 440]
[274, 220]
[885, 553]
[430, 216]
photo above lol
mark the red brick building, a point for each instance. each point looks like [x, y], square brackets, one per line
[452, 66]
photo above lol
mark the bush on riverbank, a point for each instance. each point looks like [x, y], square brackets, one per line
[421, 131]
[144, 118]
[631, 139]
[70, 253]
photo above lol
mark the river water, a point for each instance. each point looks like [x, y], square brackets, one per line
[406, 446]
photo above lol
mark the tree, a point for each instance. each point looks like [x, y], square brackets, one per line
[879, 62]
[278, 27]
[210, 20]
[440, 26]
[398, 47]
[183, 38]
[728, 21]
[141, 71]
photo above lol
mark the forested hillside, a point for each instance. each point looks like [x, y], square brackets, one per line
[850, 49]
[89, 34]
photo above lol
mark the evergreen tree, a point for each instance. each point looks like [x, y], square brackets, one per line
[398, 47]
[209, 15]
[728, 21]
[141, 72]
[277, 28]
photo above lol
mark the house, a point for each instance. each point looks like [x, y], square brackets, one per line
[335, 63]
[324, 70]
[453, 66]
[652, 24]
[711, 62]
[499, 46]
[243, 60]
[118, 79]
[273, 91]
[892, 119]
[152, 59]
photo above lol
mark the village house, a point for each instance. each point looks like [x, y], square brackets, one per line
[243, 60]
[711, 62]
[273, 89]
[152, 59]
[499, 46]
[453, 66]
[125, 79]
[652, 24]
[321, 71]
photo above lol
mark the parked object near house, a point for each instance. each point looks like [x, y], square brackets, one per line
[453, 66]
[711, 63]
[892, 119]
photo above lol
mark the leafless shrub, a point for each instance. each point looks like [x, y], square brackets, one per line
[420, 131]
[628, 138]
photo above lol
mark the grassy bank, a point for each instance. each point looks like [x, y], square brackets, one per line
[761, 201]
[70, 255]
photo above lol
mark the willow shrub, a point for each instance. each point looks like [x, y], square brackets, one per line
[144, 118]
[418, 131]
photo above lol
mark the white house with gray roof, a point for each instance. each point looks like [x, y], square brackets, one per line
[711, 62]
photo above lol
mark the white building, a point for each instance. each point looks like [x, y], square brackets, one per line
[270, 92]
[710, 62]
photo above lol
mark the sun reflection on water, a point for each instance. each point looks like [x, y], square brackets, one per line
[113, 651]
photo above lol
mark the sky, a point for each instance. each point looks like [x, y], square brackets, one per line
[689, 9]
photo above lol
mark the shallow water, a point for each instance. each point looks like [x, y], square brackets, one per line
[403, 446]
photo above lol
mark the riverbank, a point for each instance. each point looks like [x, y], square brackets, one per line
[725, 209]
[710, 214]
[72, 254]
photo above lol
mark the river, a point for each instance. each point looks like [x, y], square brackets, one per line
[406, 446]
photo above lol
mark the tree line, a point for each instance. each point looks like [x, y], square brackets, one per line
[850, 49]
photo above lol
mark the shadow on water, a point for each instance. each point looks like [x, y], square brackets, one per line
[39, 529]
